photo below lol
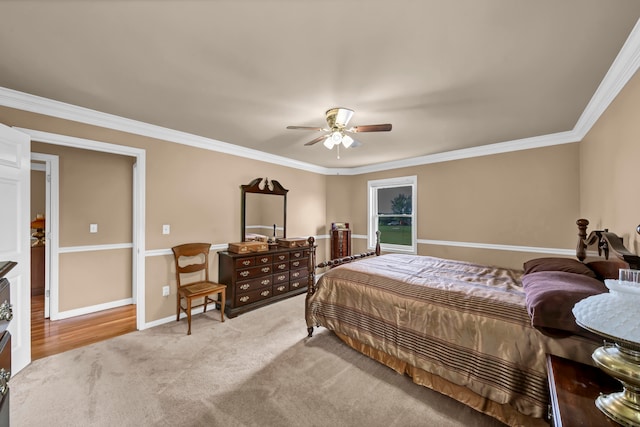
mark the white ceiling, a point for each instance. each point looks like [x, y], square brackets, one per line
[448, 74]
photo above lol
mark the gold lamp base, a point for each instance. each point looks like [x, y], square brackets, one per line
[624, 365]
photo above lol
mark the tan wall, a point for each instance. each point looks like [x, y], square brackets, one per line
[523, 198]
[196, 191]
[609, 176]
[95, 188]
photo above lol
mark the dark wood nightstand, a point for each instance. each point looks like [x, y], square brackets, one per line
[573, 388]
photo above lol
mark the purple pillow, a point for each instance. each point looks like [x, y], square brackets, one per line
[558, 264]
[551, 295]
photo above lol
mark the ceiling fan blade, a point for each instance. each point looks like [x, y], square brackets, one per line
[318, 139]
[305, 128]
[371, 128]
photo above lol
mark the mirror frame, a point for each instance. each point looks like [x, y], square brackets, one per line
[273, 189]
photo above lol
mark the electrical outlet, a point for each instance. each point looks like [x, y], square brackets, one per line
[165, 291]
[166, 229]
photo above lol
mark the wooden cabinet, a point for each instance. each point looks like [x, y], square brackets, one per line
[261, 278]
[573, 388]
[340, 243]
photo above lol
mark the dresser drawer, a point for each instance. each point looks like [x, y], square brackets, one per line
[297, 264]
[299, 283]
[281, 257]
[299, 254]
[253, 284]
[280, 277]
[5, 362]
[280, 288]
[249, 273]
[253, 296]
[245, 262]
[298, 274]
[280, 267]
[263, 259]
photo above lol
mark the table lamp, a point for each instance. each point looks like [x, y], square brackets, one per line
[614, 316]
[38, 225]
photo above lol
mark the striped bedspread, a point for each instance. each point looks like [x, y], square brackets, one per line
[464, 322]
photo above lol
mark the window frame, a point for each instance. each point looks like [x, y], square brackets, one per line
[372, 211]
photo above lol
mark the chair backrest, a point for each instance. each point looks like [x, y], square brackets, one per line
[195, 251]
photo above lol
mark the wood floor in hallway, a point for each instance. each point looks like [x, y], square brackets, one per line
[52, 337]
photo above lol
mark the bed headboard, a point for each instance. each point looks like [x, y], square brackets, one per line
[608, 243]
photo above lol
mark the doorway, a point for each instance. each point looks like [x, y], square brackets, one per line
[136, 248]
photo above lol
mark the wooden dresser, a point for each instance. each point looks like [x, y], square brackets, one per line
[6, 314]
[257, 279]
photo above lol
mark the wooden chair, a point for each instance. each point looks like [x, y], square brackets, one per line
[199, 288]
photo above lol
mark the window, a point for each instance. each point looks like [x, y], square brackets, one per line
[392, 210]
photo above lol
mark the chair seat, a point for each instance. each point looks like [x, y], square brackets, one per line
[197, 289]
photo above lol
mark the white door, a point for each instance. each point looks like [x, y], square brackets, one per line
[15, 167]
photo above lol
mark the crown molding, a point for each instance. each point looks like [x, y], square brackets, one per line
[621, 71]
[623, 68]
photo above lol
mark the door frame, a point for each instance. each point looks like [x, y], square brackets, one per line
[52, 196]
[139, 186]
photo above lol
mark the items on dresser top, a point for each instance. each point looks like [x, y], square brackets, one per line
[257, 279]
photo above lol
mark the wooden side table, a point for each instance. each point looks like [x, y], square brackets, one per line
[573, 388]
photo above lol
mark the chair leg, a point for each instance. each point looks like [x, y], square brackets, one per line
[178, 308]
[189, 315]
[222, 295]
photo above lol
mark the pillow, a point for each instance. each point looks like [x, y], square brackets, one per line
[607, 269]
[558, 264]
[551, 295]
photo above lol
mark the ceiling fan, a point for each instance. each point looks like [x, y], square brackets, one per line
[337, 120]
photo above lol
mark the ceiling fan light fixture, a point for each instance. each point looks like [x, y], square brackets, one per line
[347, 141]
[328, 142]
[342, 116]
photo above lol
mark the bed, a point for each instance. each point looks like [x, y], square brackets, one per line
[476, 333]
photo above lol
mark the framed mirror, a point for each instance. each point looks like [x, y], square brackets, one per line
[264, 210]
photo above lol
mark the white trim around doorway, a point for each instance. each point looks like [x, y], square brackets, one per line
[139, 184]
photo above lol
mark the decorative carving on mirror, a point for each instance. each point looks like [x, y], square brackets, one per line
[264, 210]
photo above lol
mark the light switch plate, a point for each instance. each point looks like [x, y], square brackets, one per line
[166, 229]
[93, 228]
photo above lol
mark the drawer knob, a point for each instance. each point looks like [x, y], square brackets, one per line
[244, 298]
[264, 260]
[281, 277]
[245, 286]
[244, 273]
[247, 262]
[4, 379]
[282, 266]
[265, 270]
[264, 293]
[280, 288]
[6, 311]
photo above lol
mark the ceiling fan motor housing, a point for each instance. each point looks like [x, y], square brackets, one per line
[337, 118]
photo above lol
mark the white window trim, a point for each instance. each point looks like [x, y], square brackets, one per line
[372, 187]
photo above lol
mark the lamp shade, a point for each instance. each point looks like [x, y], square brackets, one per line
[38, 222]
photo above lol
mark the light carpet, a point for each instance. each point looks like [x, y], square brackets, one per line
[258, 369]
